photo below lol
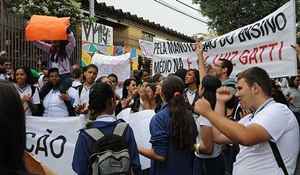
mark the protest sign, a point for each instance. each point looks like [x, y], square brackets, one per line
[147, 48]
[169, 56]
[119, 65]
[139, 122]
[265, 43]
[52, 141]
[97, 33]
[47, 28]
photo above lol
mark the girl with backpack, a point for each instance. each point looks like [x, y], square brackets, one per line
[105, 135]
[173, 133]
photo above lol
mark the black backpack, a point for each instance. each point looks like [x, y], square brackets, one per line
[109, 153]
[34, 108]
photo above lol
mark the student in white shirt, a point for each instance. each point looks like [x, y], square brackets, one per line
[43, 79]
[77, 78]
[55, 98]
[192, 82]
[210, 156]
[89, 75]
[270, 121]
[29, 94]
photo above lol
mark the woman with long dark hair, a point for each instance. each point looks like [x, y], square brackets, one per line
[29, 94]
[129, 95]
[129, 88]
[12, 131]
[210, 156]
[173, 133]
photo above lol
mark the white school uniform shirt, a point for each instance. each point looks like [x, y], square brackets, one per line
[217, 149]
[106, 118]
[26, 90]
[190, 94]
[54, 105]
[281, 124]
[84, 96]
[76, 83]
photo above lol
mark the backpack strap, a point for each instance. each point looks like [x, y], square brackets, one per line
[80, 87]
[120, 129]
[278, 157]
[95, 133]
[32, 90]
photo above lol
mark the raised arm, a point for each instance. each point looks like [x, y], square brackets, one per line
[201, 62]
[223, 95]
[236, 132]
[72, 43]
[43, 46]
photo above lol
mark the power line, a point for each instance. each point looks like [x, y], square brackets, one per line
[179, 11]
[188, 6]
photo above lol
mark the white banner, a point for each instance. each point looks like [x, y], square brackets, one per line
[265, 43]
[139, 122]
[169, 56]
[52, 141]
[119, 65]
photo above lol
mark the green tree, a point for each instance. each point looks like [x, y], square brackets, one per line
[59, 8]
[225, 16]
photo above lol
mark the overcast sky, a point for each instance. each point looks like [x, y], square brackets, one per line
[155, 12]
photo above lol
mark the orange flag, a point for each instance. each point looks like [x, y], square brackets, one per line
[47, 28]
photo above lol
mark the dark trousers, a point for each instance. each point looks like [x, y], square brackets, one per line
[146, 171]
[230, 153]
[213, 166]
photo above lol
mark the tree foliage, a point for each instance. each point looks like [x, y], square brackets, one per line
[59, 8]
[226, 16]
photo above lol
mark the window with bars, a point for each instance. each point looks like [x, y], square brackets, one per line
[148, 36]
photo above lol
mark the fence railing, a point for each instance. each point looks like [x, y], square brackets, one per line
[19, 51]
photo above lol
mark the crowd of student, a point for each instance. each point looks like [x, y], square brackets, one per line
[205, 123]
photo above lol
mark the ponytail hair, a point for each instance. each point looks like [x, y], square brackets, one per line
[182, 120]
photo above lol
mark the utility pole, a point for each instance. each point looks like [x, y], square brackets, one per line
[92, 8]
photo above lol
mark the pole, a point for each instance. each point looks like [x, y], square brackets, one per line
[92, 8]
